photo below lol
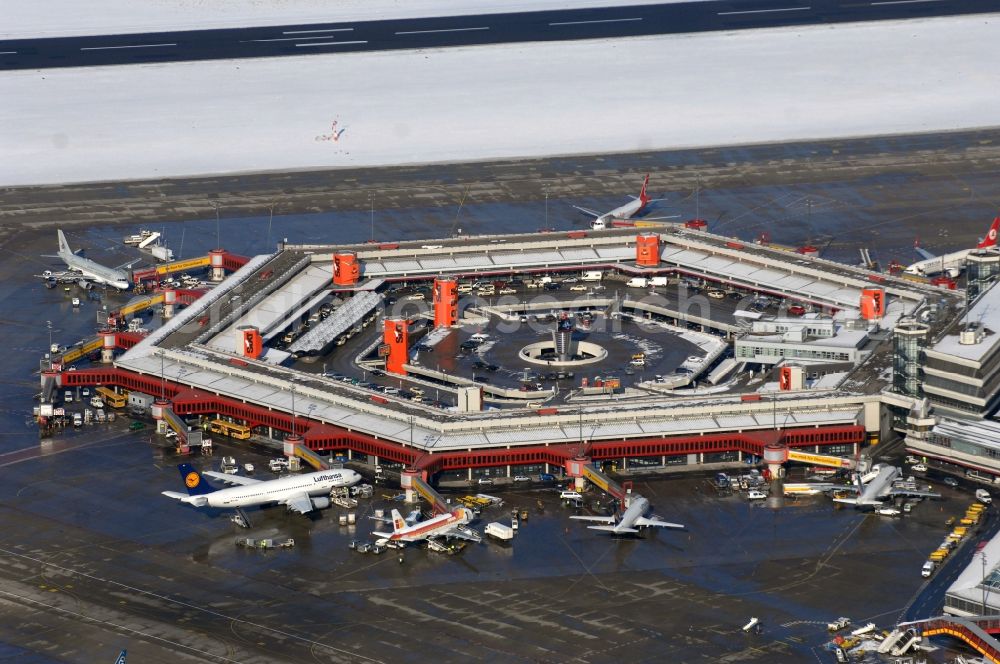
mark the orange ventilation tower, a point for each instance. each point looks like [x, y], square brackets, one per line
[345, 269]
[647, 250]
[396, 343]
[445, 302]
[872, 303]
[252, 345]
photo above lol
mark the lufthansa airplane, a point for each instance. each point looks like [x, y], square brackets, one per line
[299, 493]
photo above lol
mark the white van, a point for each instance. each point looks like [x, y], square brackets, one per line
[570, 495]
[592, 275]
[658, 281]
[983, 496]
[928, 568]
[637, 282]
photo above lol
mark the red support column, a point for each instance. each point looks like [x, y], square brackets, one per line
[445, 302]
[397, 333]
[647, 250]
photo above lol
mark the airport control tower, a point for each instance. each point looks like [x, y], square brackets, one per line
[562, 339]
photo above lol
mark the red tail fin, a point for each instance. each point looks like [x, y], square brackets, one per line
[643, 196]
[991, 236]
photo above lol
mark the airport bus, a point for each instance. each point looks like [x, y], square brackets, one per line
[231, 429]
[112, 398]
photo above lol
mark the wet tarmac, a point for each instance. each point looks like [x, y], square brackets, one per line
[95, 559]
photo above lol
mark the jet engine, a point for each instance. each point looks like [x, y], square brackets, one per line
[320, 502]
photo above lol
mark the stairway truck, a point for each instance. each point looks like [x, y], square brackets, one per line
[499, 531]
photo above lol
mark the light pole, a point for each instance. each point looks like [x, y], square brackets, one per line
[982, 556]
[218, 227]
[163, 378]
[371, 201]
[270, 218]
[293, 411]
[48, 324]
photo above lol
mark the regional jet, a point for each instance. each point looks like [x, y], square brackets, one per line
[299, 493]
[84, 271]
[952, 264]
[627, 211]
[448, 525]
[631, 521]
[881, 487]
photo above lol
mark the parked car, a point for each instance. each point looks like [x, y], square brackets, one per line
[950, 481]
[521, 478]
[484, 481]
[919, 468]
[888, 511]
[756, 495]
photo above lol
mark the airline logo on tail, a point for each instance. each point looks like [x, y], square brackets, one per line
[991, 236]
[643, 196]
[397, 521]
[121, 657]
[196, 486]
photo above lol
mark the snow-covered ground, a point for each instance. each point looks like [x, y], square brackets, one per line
[497, 102]
[55, 18]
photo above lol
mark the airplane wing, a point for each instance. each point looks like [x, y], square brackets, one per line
[593, 213]
[643, 521]
[125, 266]
[197, 501]
[230, 479]
[613, 529]
[597, 519]
[910, 493]
[460, 533]
[62, 277]
[299, 503]
[926, 255]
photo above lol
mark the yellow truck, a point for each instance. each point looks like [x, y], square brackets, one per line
[938, 556]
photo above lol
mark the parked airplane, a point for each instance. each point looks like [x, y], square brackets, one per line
[626, 211]
[952, 264]
[447, 525]
[630, 521]
[299, 493]
[86, 272]
[880, 488]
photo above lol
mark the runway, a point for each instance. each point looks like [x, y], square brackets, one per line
[450, 31]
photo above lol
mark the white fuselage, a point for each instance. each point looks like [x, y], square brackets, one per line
[95, 271]
[435, 527]
[275, 491]
[952, 264]
[636, 509]
[622, 212]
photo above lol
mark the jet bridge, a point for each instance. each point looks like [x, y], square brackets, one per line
[412, 481]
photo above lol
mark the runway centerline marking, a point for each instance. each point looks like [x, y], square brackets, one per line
[108, 48]
[332, 43]
[606, 20]
[279, 39]
[427, 32]
[765, 11]
[901, 2]
[305, 32]
[8, 52]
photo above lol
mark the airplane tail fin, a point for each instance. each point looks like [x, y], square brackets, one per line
[991, 236]
[195, 483]
[121, 657]
[398, 523]
[643, 196]
[63, 244]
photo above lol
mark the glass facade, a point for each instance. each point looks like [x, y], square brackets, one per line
[908, 339]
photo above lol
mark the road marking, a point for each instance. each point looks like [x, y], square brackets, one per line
[901, 2]
[277, 39]
[332, 43]
[427, 32]
[607, 20]
[305, 32]
[8, 52]
[765, 11]
[107, 48]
